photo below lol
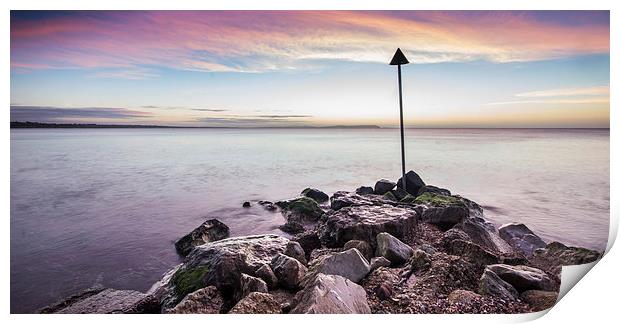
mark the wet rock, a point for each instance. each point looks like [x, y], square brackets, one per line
[434, 190]
[266, 274]
[521, 238]
[384, 186]
[555, 255]
[539, 300]
[463, 297]
[364, 223]
[202, 301]
[483, 233]
[522, 277]
[247, 204]
[250, 284]
[362, 246]
[413, 183]
[349, 264]
[105, 301]
[390, 196]
[218, 263]
[341, 199]
[292, 226]
[419, 261]
[298, 212]
[393, 249]
[257, 303]
[378, 262]
[288, 270]
[399, 193]
[491, 284]
[444, 211]
[408, 199]
[309, 240]
[472, 252]
[316, 194]
[209, 231]
[295, 251]
[330, 294]
[364, 191]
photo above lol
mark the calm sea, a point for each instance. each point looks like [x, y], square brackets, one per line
[104, 206]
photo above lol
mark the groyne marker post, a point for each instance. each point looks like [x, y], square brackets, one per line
[400, 59]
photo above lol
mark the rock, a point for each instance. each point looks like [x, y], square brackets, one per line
[247, 204]
[268, 205]
[463, 297]
[522, 277]
[349, 264]
[413, 183]
[472, 252]
[539, 300]
[483, 233]
[491, 284]
[364, 191]
[292, 226]
[408, 199]
[250, 284]
[399, 193]
[384, 291]
[218, 263]
[364, 223]
[341, 199]
[295, 251]
[521, 238]
[330, 294]
[555, 255]
[393, 249]
[288, 270]
[362, 246]
[434, 190]
[209, 231]
[378, 262]
[444, 211]
[384, 186]
[298, 212]
[101, 300]
[390, 196]
[257, 303]
[316, 194]
[202, 301]
[266, 274]
[309, 241]
[419, 261]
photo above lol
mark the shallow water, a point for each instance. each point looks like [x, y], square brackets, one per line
[106, 205]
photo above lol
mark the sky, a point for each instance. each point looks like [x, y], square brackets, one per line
[311, 68]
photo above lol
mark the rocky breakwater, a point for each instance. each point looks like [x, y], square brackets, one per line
[380, 249]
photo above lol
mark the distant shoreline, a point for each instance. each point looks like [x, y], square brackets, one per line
[19, 124]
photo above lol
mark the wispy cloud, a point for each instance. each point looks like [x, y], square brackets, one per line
[259, 41]
[567, 92]
[59, 114]
[575, 96]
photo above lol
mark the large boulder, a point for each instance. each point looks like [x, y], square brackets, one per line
[470, 251]
[341, 199]
[298, 213]
[218, 263]
[101, 300]
[249, 285]
[384, 186]
[349, 264]
[330, 294]
[556, 255]
[521, 238]
[288, 270]
[364, 223]
[294, 250]
[434, 190]
[522, 277]
[413, 183]
[362, 246]
[364, 191]
[484, 234]
[209, 231]
[266, 274]
[202, 301]
[539, 299]
[257, 303]
[378, 262]
[491, 284]
[393, 249]
[316, 194]
[309, 240]
[443, 211]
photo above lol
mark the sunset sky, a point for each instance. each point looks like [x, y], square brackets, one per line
[287, 68]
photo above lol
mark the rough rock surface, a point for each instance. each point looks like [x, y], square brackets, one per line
[435, 190]
[376, 263]
[384, 186]
[539, 300]
[349, 264]
[218, 263]
[521, 238]
[249, 285]
[309, 240]
[299, 213]
[288, 270]
[364, 191]
[483, 233]
[523, 278]
[364, 223]
[316, 194]
[202, 301]
[555, 255]
[413, 183]
[362, 246]
[330, 294]
[295, 251]
[464, 297]
[105, 301]
[393, 249]
[209, 231]
[491, 284]
[257, 303]
[341, 199]
[266, 274]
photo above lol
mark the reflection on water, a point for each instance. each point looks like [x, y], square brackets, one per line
[105, 205]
